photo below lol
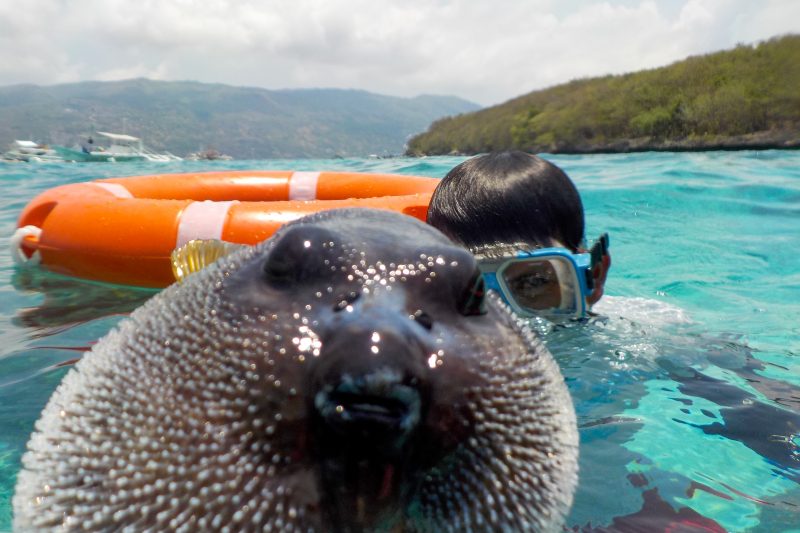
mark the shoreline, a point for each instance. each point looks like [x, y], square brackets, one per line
[753, 141]
[731, 144]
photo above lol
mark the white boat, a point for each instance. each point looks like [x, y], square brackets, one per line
[120, 147]
[30, 152]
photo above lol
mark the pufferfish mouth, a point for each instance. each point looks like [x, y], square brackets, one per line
[378, 405]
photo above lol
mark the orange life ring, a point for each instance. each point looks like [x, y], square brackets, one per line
[122, 230]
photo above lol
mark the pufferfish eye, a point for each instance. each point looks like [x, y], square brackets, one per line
[473, 299]
[297, 256]
[279, 270]
[422, 318]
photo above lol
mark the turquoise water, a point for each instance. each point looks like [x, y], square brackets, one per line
[687, 392]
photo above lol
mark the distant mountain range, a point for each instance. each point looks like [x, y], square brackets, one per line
[244, 122]
[748, 97]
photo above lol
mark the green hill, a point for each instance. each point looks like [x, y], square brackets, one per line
[244, 122]
[748, 96]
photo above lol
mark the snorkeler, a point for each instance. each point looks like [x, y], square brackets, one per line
[522, 217]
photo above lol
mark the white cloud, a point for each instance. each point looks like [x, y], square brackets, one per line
[480, 50]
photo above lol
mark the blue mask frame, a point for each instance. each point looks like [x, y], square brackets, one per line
[577, 274]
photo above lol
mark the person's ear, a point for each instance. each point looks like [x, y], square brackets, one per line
[599, 273]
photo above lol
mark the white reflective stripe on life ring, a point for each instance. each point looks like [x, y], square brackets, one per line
[15, 244]
[303, 186]
[114, 188]
[203, 220]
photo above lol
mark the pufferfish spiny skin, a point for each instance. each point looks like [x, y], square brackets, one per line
[345, 375]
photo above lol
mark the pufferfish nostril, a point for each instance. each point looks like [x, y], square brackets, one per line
[346, 299]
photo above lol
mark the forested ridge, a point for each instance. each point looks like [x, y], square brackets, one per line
[745, 97]
[245, 122]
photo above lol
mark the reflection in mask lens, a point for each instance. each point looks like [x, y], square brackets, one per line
[541, 284]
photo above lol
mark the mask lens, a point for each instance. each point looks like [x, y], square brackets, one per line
[541, 285]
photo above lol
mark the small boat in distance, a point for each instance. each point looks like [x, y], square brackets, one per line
[120, 147]
[30, 152]
[209, 154]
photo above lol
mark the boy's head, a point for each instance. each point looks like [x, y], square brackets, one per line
[505, 199]
[506, 204]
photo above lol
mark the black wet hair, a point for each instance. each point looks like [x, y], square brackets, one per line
[505, 200]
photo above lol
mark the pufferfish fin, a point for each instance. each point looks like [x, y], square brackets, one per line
[197, 254]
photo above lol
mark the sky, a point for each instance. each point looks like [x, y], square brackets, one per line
[485, 51]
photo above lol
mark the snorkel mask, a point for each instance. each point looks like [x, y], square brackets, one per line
[549, 282]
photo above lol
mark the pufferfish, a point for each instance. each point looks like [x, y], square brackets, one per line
[348, 374]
